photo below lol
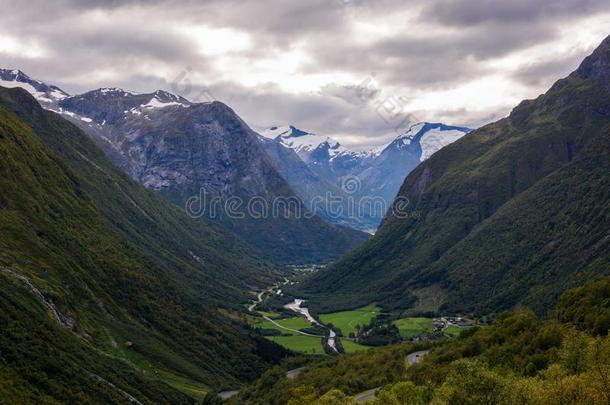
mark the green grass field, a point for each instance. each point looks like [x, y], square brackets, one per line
[347, 320]
[295, 323]
[299, 343]
[410, 327]
[351, 347]
[452, 331]
[295, 341]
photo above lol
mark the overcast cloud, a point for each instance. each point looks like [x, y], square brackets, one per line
[351, 69]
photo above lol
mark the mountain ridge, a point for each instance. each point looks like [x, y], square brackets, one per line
[375, 174]
[464, 248]
[205, 151]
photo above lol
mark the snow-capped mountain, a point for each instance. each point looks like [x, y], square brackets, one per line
[305, 144]
[136, 130]
[388, 170]
[200, 154]
[379, 171]
[427, 138]
[110, 105]
[45, 94]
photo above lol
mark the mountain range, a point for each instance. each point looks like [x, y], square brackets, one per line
[349, 188]
[203, 157]
[511, 214]
[370, 178]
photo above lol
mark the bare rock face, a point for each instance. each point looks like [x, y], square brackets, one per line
[205, 151]
[597, 65]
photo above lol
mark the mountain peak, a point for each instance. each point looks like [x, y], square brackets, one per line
[286, 131]
[296, 132]
[13, 72]
[163, 95]
[421, 127]
[430, 136]
[112, 91]
[597, 65]
[44, 93]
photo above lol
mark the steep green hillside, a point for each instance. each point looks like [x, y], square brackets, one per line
[102, 281]
[512, 213]
[519, 359]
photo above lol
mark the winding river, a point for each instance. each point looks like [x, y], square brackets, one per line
[295, 306]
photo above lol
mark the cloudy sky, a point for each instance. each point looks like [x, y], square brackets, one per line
[357, 70]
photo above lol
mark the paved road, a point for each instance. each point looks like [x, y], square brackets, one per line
[227, 394]
[294, 373]
[262, 293]
[412, 358]
[258, 301]
[366, 395]
[416, 357]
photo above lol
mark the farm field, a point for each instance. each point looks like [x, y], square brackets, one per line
[452, 331]
[291, 339]
[295, 323]
[410, 327]
[351, 347]
[299, 343]
[347, 321]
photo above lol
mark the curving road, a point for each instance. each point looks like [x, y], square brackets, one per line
[412, 358]
[370, 394]
[416, 357]
[294, 373]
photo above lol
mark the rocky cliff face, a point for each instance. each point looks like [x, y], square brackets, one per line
[204, 156]
[597, 65]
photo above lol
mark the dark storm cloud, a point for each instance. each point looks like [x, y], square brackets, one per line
[438, 45]
[315, 112]
[437, 60]
[472, 12]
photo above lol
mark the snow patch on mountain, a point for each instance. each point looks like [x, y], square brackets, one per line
[28, 87]
[155, 102]
[42, 92]
[116, 91]
[430, 137]
[304, 143]
[434, 140]
[71, 115]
